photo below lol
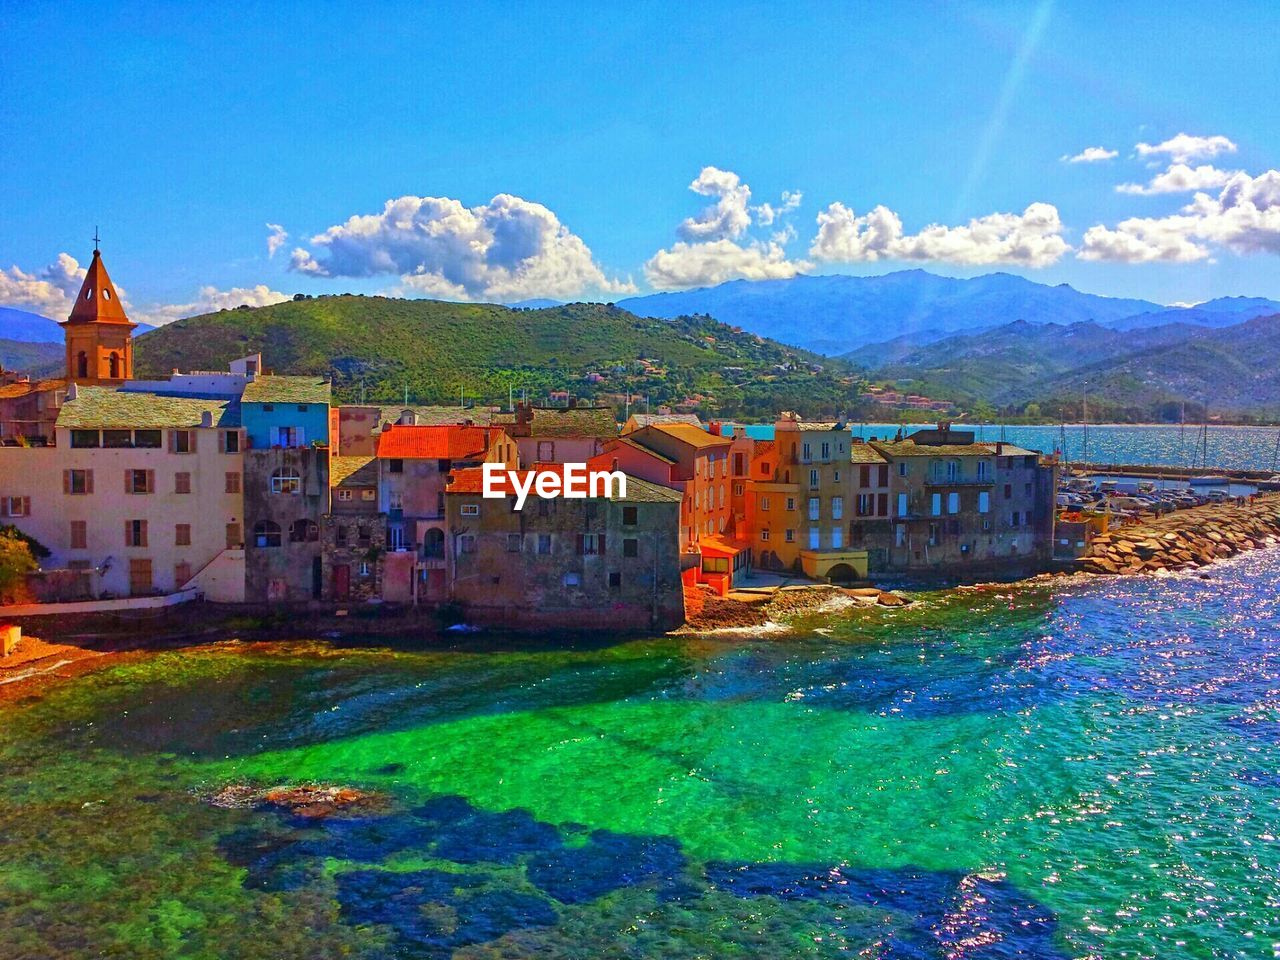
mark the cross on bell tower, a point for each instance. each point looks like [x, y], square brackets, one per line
[99, 336]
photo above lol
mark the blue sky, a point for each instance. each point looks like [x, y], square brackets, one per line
[183, 132]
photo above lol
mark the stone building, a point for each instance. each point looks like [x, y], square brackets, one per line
[353, 534]
[592, 563]
[571, 434]
[286, 497]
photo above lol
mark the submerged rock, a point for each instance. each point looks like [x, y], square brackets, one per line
[312, 801]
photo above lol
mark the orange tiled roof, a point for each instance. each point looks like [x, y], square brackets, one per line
[433, 442]
[13, 390]
[695, 437]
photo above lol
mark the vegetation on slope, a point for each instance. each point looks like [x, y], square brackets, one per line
[379, 347]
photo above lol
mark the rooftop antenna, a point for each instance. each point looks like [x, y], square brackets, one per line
[510, 397]
[363, 395]
[406, 393]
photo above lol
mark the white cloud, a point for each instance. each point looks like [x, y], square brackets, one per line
[49, 291]
[767, 213]
[1243, 218]
[714, 245]
[706, 264]
[1091, 155]
[1180, 178]
[209, 300]
[728, 217]
[275, 238]
[506, 249]
[1032, 238]
[1185, 147]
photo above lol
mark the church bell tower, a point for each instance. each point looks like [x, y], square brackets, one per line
[98, 334]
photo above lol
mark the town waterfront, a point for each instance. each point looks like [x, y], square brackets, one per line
[1173, 445]
[1081, 769]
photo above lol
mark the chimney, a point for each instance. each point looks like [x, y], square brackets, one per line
[408, 418]
[999, 448]
[206, 419]
[72, 390]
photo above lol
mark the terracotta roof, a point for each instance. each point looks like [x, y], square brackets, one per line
[97, 301]
[909, 448]
[110, 408]
[762, 447]
[595, 422]
[14, 390]
[864, 453]
[353, 472]
[471, 481]
[694, 436]
[719, 547]
[273, 389]
[440, 442]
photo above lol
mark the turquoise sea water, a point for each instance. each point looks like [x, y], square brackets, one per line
[1079, 771]
[1235, 448]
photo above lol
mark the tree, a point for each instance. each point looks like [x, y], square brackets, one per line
[983, 411]
[1032, 411]
[16, 561]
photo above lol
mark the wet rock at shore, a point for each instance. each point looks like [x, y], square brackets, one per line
[309, 800]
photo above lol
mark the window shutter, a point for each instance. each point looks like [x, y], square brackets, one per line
[301, 437]
[275, 436]
[128, 481]
[26, 506]
[151, 481]
[173, 441]
[194, 435]
[4, 506]
[88, 481]
[600, 543]
[128, 534]
[581, 545]
[143, 538]
[66, 481]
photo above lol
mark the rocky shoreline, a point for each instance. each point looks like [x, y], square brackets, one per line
[1185, 539]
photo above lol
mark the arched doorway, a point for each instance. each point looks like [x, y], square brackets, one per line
[842, 573]
[433, 544]
[82, 365]
[113, 365]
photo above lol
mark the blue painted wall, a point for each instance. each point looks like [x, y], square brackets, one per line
[258, 421]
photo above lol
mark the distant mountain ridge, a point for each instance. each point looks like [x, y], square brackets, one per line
[838, 314]
[27, 327]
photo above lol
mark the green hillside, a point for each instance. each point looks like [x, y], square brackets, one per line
[436, 349]
[37, 359]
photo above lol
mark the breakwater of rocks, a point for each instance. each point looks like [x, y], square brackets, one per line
[1186, 538]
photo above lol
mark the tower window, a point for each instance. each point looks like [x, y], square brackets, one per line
[106, 294]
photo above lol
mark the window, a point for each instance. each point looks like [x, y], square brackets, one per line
[544, 544]
[866, 504]
[835, 476]
[340, 537]
[467, 543]
[935, 505]
[982, 469]
[615, 581]
[902, 504]
[902, 468]
[864, 475]
[117, 439]
[79, 535]
[396, 532]
[83, 439]
[815, 538]
[571, 579]
[953, 470]
[362, 535]
[231, 441]
[1008, 491]
[135, 533]
[470, 510]
[139, 481]
[364, 568]
[933, 534]
[395, 466]
[287, 436]
[739, 464]
[182, 535]
[546, 451]
[268, 407]
[837, 508]
[304, 531]
[146, 439]
[77, 482]
[764, 535]
[630, 516]
[14, 506]
[737, 489]
[808, 452]
[140, 581]
[984, 501]
[302, 408]
[826, 451]
[233, 483]
[181, 574]
[590, 544]
[791, 503]
[182, 483]
[183, 441]
[286, 480]
[815, 508]
[790, 536]
[764, 503]
[953, 502]
[882, 504]
[884, 475]
[266, 534]
[899, 534]
[395, 500]
[813, 479]
[630, 547]
[344, 496]
[837, 538]
[1013, 519]
[515, 543]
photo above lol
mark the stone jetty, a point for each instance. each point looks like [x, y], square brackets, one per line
[1186, 538]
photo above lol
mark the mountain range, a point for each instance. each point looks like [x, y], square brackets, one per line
[26, 327]
[836, 314]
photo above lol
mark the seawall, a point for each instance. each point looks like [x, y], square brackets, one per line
[1186, 538]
